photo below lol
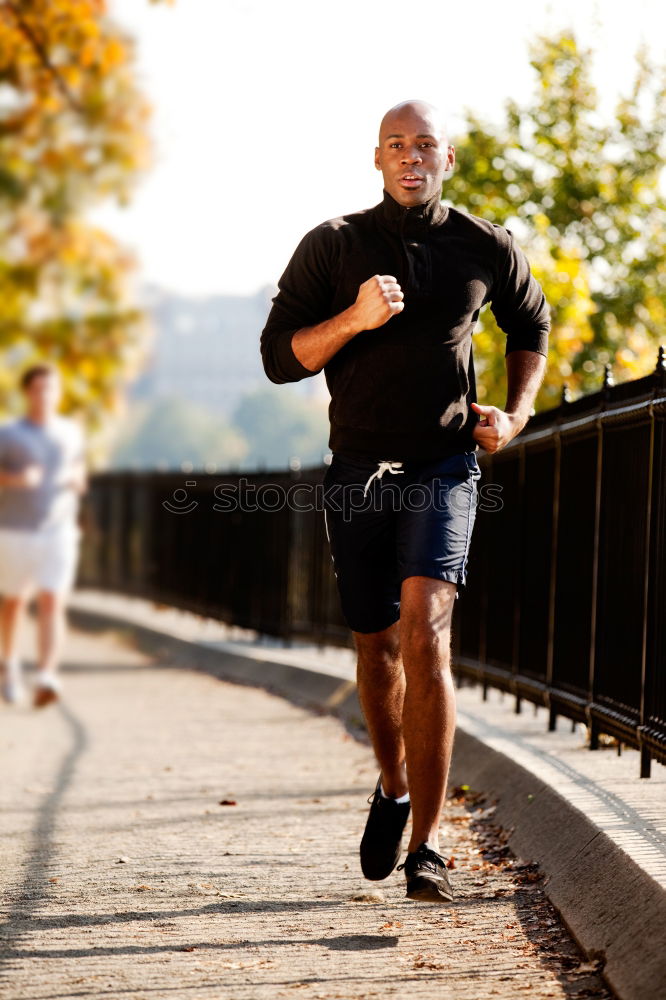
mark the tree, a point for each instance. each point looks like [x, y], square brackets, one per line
[583, 198]
[73, 131]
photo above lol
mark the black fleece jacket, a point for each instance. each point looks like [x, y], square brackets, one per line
[403, 391]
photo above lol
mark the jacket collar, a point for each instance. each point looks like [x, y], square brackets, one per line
[417, 219]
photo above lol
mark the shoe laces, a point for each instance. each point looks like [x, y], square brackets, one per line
[426, 858]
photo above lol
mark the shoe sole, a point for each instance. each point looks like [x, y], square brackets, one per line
[378, 874]
[427, 890]
[377, 878]
[16, 700]
[44, 697]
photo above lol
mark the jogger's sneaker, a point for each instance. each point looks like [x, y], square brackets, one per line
[382, 837]
[427, 877]
[13, 691]
[47, 690]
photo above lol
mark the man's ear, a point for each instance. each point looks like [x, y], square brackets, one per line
[377, 164]
[450, 159]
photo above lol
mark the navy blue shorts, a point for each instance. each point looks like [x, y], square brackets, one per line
[386, 521]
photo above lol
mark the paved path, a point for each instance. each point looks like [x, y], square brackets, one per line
[630, 811]
[124, 876]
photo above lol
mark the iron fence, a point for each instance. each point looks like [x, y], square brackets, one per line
[566, 595]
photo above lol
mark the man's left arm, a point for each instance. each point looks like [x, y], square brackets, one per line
[79, 477]
[522, 312]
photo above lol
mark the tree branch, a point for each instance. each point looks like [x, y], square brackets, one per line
[42, 55]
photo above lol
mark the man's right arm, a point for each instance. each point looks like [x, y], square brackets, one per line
[301, 336]
[27, 478]
[378, 299]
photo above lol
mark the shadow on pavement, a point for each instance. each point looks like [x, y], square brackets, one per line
[34, 889]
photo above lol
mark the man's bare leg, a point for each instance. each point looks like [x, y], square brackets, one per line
[429, 708]
[11, 612]
[381, 689]
[50, 635]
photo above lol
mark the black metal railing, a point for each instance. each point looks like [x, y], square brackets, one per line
[566, 597]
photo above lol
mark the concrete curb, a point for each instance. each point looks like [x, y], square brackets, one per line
[615, 911]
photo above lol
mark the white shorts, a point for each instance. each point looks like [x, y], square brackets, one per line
[45, 559]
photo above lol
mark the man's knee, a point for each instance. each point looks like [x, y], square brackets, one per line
[425, 625]
[379, 651]
[50, 601]
[426, 647]
[11, 602]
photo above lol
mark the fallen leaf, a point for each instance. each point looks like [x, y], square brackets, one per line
[480, 814]
[368, 897]
[587, 967]
[228, 802]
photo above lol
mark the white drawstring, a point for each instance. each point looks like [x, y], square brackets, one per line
[383, 467]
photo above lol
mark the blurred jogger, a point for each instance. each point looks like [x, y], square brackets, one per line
[42, 475]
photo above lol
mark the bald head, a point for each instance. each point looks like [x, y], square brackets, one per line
[413, 152]
[431, 117]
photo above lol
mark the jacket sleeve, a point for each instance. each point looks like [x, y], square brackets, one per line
[518, 302]
[304, 297]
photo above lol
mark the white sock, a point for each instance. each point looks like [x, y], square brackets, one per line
[13, 669]
[403, 798]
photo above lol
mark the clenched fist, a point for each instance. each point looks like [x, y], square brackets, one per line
[379, 298]
[31, 476]
[495, 428]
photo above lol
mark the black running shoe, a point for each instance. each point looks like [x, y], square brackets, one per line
[427, 877]
[382, 838]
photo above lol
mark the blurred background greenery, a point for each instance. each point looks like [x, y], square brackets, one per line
[581, 188]
[583, 194]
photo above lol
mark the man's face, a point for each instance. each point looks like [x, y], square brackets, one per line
[43, 394]
[413, 155]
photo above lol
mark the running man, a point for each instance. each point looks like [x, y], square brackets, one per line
[385, 301]
[42, 475]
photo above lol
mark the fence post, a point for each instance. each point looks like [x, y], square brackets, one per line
[552, 714]
[649, 665]
[592, 725]
[517, 580]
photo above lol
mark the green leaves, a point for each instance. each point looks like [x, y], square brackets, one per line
[582, 195]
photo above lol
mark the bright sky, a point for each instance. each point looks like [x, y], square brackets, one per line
[266, 112]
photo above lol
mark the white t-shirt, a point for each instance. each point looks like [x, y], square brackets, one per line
[55, 446]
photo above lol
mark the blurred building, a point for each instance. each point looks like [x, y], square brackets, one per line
[206, 349]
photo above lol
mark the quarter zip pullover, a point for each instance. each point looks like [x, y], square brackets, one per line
[403, 392]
